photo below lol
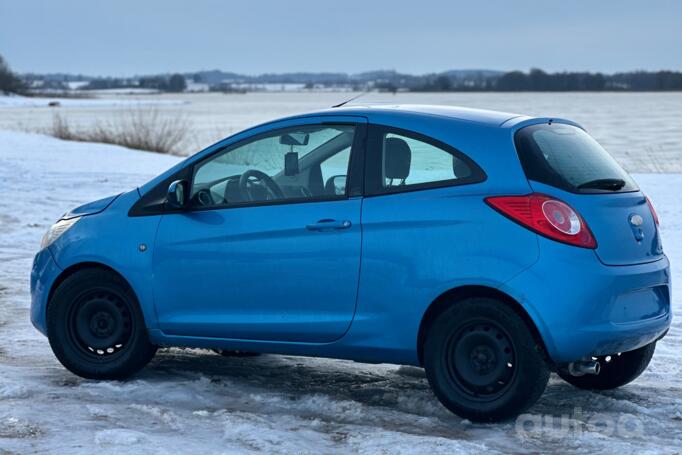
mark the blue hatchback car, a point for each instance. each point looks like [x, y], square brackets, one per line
[489, 248]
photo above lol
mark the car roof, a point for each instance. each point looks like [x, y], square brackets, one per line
[482, 116]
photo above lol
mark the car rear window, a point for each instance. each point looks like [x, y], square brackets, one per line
[566, 157]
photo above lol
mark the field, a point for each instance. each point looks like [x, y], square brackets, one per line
[196, 401]
[640, 129]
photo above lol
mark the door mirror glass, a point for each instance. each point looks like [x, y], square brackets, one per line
[177, 194]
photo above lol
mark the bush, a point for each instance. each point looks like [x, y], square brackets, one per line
[141, 128]
[61, 129]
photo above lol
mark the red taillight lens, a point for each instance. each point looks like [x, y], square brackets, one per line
[546, 216]
[653, 211]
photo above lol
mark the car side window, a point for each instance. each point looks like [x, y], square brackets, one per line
[281, 165]
[408, 161]
[334, 172]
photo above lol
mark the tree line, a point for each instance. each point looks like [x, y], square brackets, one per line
[174, 83]
[537, 80]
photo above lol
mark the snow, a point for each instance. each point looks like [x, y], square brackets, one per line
[649, 144]
[197, 401]
[16, 101]
[119, 437]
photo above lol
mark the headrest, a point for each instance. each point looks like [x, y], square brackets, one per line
[397, 158]
[460, 168]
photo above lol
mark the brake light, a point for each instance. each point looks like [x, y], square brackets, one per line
[547, 216]
[653, 211]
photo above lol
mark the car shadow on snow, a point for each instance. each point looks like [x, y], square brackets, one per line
[388, 393]
[293, 376]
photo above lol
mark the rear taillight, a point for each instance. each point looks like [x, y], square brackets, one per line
[546, 216]
[653, 211]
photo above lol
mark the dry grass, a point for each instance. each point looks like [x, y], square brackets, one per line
[140, 128]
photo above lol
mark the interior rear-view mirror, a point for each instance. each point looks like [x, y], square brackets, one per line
[294, 138]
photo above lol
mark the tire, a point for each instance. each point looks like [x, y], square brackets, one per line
[618, 371]
[95, 326]
[483, 362]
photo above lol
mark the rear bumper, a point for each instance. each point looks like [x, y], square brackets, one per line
[583, 308]
[43, 274]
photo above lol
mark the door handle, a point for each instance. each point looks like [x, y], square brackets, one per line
[328, 225]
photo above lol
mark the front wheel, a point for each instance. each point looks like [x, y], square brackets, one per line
[95, 326]
[615, 370]
[483, 362]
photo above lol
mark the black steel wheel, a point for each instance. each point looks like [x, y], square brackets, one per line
[100, 323]
[480, 360]
[95, 326]
[483, 362]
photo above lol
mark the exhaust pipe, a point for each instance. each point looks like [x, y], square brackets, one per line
[584, 367]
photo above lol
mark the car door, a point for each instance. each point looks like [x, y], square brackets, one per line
[247, 262]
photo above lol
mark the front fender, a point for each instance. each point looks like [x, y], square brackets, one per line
[117, 241]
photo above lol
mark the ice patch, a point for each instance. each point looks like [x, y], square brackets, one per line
[11, 390]
[97, 411]
[119, 437]
[164, 415]
[16, 428]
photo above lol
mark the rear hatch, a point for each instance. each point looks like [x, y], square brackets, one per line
[565, 162]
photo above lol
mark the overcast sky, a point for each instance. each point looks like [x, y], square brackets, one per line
[128, 37]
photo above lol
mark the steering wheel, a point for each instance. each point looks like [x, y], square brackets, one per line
[253, 176]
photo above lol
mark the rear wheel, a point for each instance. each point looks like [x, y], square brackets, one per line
[483, 362]
[616, 370]
[95, 326]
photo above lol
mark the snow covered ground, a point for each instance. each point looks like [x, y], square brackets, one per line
[196, 401]
[648, 142]
[16, 101]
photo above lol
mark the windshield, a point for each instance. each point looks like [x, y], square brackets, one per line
[566, 157]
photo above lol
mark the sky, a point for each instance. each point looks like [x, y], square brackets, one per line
[129, 37]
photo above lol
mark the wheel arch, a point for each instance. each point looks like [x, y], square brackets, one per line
[74, 268]
[455, 295]
[80, 266]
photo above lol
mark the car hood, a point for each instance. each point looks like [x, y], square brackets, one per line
[90, 208]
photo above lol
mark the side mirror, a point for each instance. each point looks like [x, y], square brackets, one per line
[177, 194]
